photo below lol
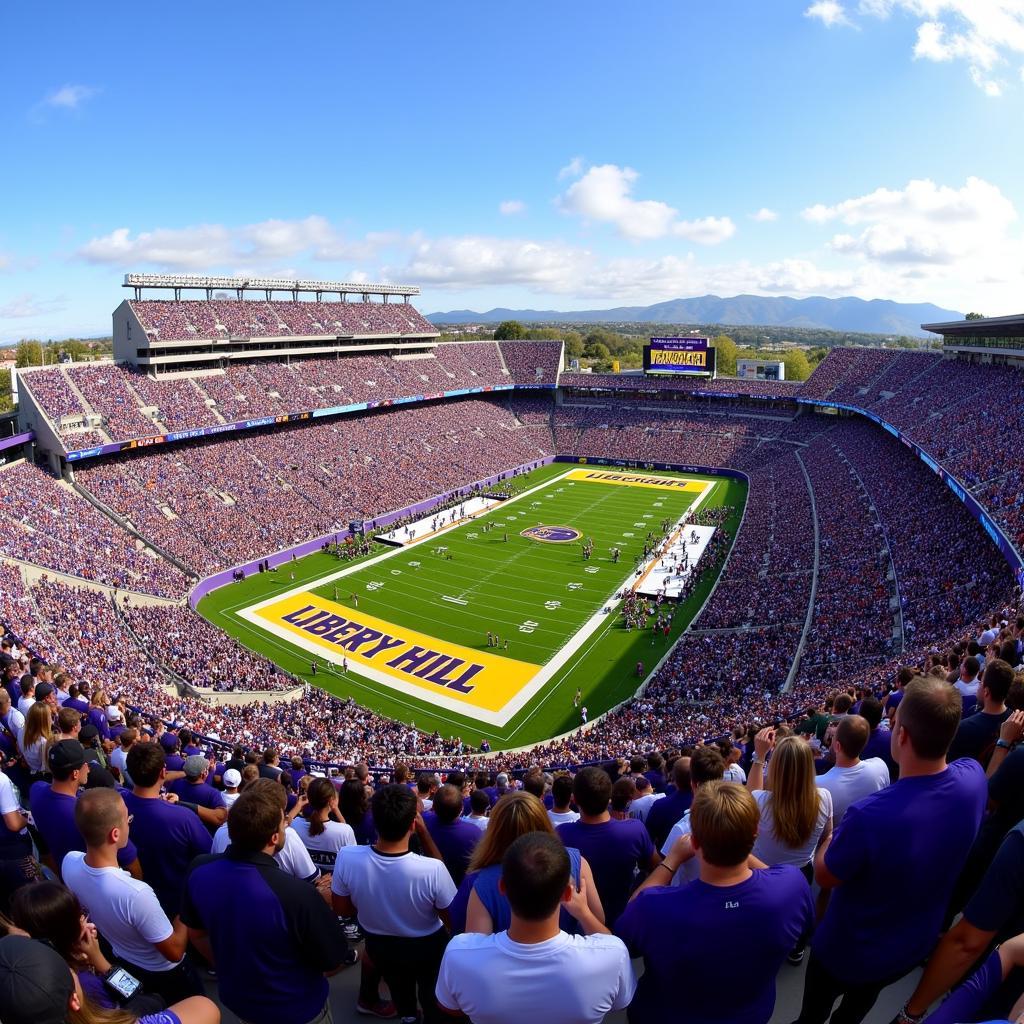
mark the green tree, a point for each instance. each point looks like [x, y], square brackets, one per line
[797, 366]
[597, 350]
[573, 345]
[509, 330]
[725, 355]
[975, 316]
[28, 353]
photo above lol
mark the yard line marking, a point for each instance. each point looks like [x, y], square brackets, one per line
[454, 600]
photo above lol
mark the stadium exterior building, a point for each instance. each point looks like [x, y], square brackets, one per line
[990, 339]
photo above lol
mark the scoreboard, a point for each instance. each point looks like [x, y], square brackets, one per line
[680, 357]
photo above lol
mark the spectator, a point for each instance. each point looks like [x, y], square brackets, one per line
[561, 801]
[978, 733]
[615, 850]
[354, 805]
[706, 765]
[703, 917]
[272, 938]
[666, 812]
[53, 808]
[479, 805]
[18, 866]
[232, 779]
[558, 977]
[125, 909]
[167, 837]
[454, 837]
[852, 778]
[405, 931]
[878, 744]
[322, 836]
[888, 841]
[194, 790]
[35, 738]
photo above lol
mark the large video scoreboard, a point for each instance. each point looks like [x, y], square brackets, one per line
[683, 357]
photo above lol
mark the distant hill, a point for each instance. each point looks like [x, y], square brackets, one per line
[874, 316]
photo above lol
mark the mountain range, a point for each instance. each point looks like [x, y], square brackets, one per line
[869, 316]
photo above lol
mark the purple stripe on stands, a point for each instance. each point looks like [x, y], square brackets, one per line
[10, 442]
[308, 547]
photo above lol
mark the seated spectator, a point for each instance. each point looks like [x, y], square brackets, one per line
[978, 733]
[454, 837]
[168, 838]
[852, 778]
[558, 977]
[703, 917]
[405, 932]
[272, 938]
[53, 808]
[887, 841]
[125, 909]
[615, 850]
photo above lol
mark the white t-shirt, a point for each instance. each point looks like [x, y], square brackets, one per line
[848, 785]
[229, 798]
[771, 850]
[24, 703]
[967, 689]
[482, 822]
[641, 806]
[16, 723]
[690, 871]
[34, 753]
[125, 911]
[8, 799]
[293, 859]
[323, 849]
[562, 817]
[570, 979]
[734, 773]
[119, 759]
[394, 894]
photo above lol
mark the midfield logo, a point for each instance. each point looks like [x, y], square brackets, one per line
[552, 534]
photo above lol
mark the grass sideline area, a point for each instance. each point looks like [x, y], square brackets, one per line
[457, 586]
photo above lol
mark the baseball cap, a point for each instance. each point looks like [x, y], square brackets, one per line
[195, 765]
[88, 733]
[35, 983]
[66, 755]
[113, 713]
[232, 778]
[43, 690]
[169, 741]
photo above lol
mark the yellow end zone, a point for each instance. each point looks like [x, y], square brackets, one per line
[672, 483]
[423, 665]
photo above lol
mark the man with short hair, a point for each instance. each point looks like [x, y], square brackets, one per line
[615, 849]
[665, 813]
[271, 937]
[270, 767]
[455, 838]
[479, 805]
[405, 929]
[69, 724]
[46, 693]
[640, 806]
[706, 765]
[561, 799]
[194, 789]
[426, 787]
[911, 838]
[772, 905]
[878, 744]
[851, 778]
[557, 977]
[53, 808]
[168, 837]
[124, 909]
[978, 733]
[968, 682]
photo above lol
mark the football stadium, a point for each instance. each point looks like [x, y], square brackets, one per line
[498, 530]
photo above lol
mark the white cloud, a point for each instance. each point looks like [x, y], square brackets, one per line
[573, 169]
[70, 97]
[988, 85]
[764, 215]
[603, 195]
[510, 207]
[829, 12]
[27, 305]
[210, 246]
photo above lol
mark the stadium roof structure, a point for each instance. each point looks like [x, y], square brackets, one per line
[239, 285]
[987, 326]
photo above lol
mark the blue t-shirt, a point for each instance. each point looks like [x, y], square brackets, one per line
[967, 1001]
[54, 816]
[911, 838]
[665, 813]
[200, 793]
[681, 932]
[168, 839]
[614, 849]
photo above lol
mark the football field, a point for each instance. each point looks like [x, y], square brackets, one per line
[487, 626]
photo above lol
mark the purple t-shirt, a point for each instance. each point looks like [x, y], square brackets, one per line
[455, 841]
[54, 816]
[613, 849]
[200, 793]
[911, 838]
[689, 977]
[168, 838]
[98, 717]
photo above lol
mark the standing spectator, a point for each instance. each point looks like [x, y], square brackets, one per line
[558, 977]
[888, 842]
[354, 805]
[271, 937]
[665, 813]
[35, 738]
[232, 779]
[561, 800]
[615, 850]
[454, 837]
[705, 916]
[978, 733]
[852, 778]
[878, 744]
[18, 866]
[479, 805]
[706, 765]
[400, 900]
[323, 836]
[167, 837]
[195, 790]
[125, 909]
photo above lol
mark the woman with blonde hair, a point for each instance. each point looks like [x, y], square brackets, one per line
[487, 910]
[36, 738]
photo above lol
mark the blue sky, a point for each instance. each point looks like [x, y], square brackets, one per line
[547, 155]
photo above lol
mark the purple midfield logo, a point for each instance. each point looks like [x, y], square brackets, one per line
[552, 534]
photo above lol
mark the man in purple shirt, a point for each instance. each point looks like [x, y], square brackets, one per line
[454, 837]
[167, 837]
[688, 978]
[170, 744]
[193, 789]
[614, 849]
[53, 807]
[911, 839]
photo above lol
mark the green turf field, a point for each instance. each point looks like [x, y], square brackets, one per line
[405, 630]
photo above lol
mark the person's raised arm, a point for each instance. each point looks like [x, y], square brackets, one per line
[764, 741]
[1010, 732]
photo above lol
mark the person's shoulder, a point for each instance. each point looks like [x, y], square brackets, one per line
[73, 861]
[470, 942]
[588, 944]
[967, 772]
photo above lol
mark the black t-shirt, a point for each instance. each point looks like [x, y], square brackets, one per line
[976, 737]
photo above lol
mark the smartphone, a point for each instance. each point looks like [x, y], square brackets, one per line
[123, 984]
